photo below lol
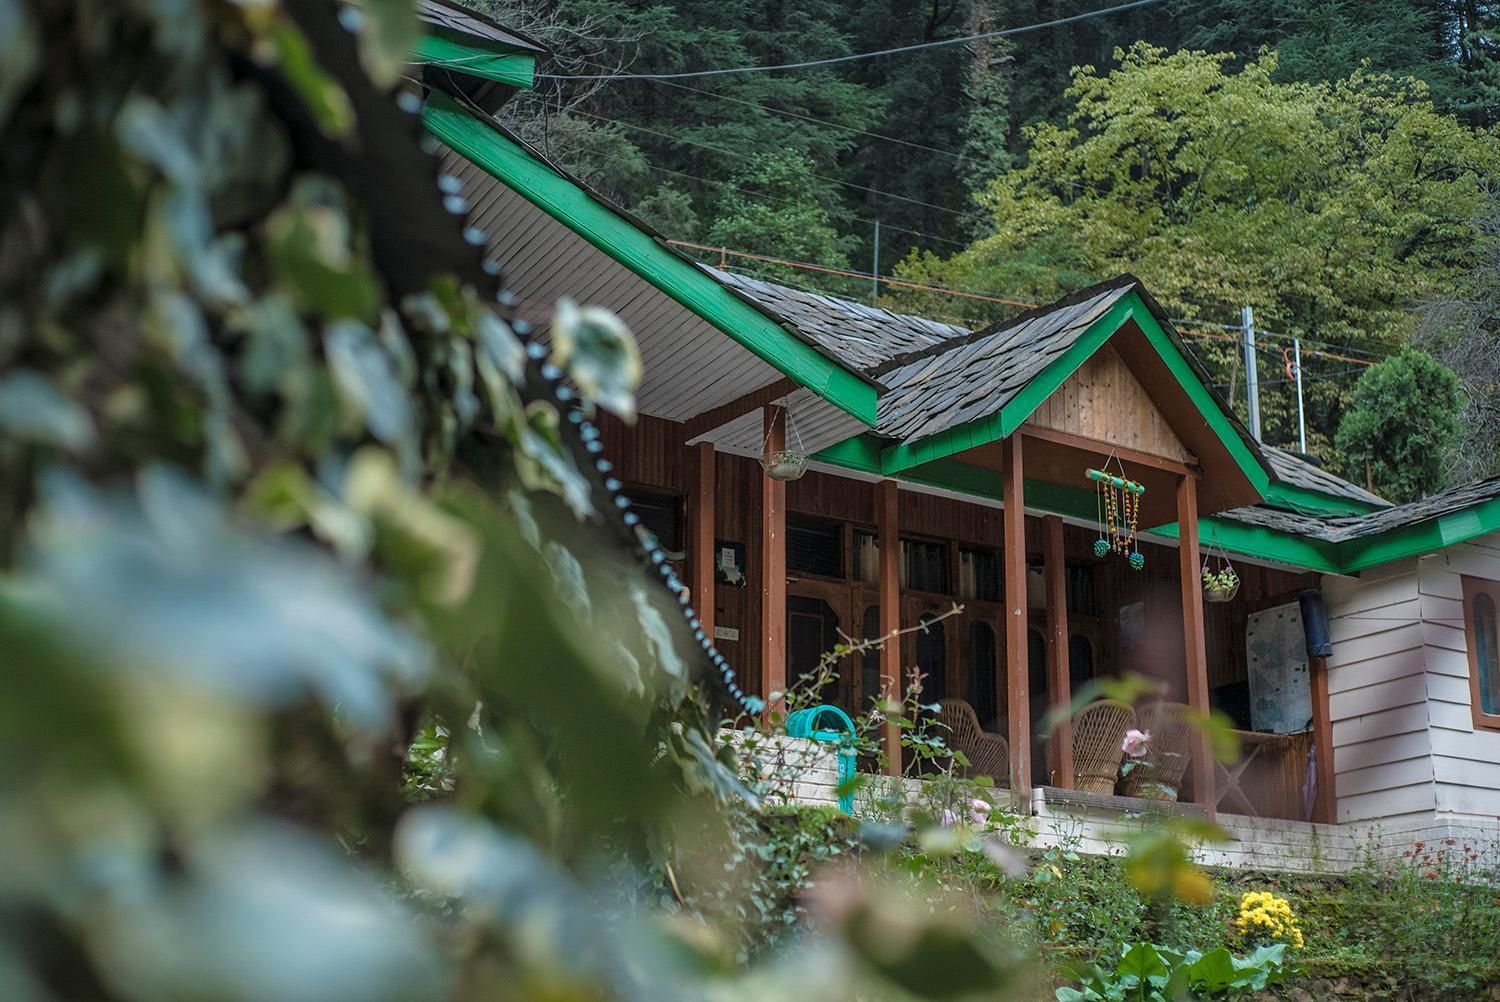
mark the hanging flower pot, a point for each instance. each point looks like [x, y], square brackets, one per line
[1220, 585]
[785, 465]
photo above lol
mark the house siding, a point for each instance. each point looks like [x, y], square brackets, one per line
[1377, 685]
[1466, 760]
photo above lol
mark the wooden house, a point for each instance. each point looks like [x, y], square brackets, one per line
[948, 467]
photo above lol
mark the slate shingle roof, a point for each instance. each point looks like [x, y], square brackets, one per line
[972, 377]
[861, 336]
[1340, 530]
[1298, 472]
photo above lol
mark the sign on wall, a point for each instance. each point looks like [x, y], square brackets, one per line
[1276, 656]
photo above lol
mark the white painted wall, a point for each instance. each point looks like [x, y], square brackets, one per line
[1466, 760]
[1404, 739]
[1377, 685]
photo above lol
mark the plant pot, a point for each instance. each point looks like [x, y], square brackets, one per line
[1221, 594]
[787, 465]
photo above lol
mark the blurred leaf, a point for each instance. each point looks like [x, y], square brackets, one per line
[168, 586]
[1223, 742]
[598, 351]
[370, 389]
[325, 99]
[33, 410]
[388, 38]
[309, 243]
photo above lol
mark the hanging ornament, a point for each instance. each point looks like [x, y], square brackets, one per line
[786, 463]
[1119, 507]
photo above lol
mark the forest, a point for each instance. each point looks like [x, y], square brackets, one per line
[1328, 163]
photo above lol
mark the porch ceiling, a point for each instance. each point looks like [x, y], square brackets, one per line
[689, 365]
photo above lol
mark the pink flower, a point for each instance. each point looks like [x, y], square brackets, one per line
[979, 812]
[948, 818]
[1136, 743]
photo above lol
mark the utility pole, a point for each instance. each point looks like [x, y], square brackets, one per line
[1301, 421]
[875, 268]
[1252, 381]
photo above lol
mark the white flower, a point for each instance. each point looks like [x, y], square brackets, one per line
[1137, 743]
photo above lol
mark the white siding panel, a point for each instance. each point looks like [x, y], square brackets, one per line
[1405, 637]
[1407, 772]
[1380, 751]
[1398, 664]
[1420, 798]
[1469, 745]
[1401, 720]
[1407, 690]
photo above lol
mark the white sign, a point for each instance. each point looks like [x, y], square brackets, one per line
[726, 633]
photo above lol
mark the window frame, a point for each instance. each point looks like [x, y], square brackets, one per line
[1473, 587]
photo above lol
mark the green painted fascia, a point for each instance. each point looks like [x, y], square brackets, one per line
[992, 428]
[638, 251]
[1424, 537]
[1262, 543]
[862, 453]
[507, 66]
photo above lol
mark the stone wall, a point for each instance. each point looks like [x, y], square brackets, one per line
[802, 771]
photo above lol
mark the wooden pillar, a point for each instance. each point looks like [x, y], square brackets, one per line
[702, 583]
[1189, 561]
[1018, 676]
[887, 508]
[773, 563]
[1325, 808]
[1059, 684]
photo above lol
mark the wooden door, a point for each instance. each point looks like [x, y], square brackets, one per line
[812, 630]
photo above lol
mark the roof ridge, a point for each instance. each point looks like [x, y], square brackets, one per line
[1123, 280]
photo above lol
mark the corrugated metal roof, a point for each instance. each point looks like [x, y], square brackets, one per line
[463, 21]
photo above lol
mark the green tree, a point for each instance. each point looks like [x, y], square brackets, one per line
[1401, 425]
[1330, 208]
[778, 208]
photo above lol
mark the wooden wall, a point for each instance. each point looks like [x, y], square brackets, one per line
[651, 455]
[1104, 401]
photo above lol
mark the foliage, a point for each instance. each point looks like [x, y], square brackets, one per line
[1463, 331]
[1222, 188]
[777, 208]
[1152, 973]
[1401, 425]
[1264, 917]
[332, 670]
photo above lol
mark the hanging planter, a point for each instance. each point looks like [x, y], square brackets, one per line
[784, 464]
[1221, 584]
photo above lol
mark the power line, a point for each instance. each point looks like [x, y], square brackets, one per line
[815, 121]
[834, 60]
[783, 201]
[746, 156]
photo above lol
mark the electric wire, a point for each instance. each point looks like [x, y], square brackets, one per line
[854, 57]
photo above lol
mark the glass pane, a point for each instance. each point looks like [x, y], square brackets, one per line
[1486, 651]
[870, 667]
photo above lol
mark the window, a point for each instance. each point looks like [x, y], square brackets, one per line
[924, 565]
[870, 667]
[1081, 590]
[661, 515]
[1482, 630]
[866, 556]
[814, 546]
[979, 575]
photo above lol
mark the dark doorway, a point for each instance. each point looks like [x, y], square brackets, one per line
[870, 661]
[932, 658]
[812, 630]
[982, 684]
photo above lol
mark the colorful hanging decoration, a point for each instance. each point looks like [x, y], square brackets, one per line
[1119, 502]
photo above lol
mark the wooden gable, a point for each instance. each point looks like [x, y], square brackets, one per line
[1104, 401]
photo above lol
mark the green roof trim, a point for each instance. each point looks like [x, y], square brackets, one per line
[1424, 537]
[1261, 543]
[508, 66]
[993, 427]
[627, 243]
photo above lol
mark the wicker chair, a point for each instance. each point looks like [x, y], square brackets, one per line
[988, 754]
[1098, 736]
[1158, 776]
